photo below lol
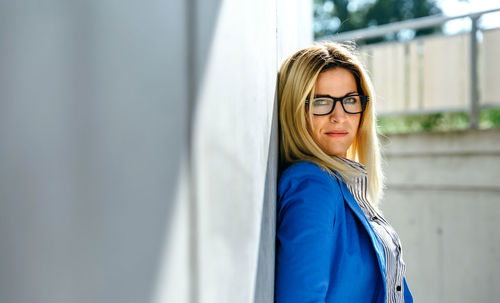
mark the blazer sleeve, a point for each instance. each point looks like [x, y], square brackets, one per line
[305, 241]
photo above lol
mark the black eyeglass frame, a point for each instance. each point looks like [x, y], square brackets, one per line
[364, 100]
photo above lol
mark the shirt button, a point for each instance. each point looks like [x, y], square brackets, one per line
[398, 288]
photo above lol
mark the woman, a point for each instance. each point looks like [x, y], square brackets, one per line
[333, 244]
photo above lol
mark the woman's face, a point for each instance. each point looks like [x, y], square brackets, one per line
[335, 132]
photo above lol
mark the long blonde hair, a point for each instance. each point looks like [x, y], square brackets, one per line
[296, 82]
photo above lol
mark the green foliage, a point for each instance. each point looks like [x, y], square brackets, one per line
[488, 118]
[336, 16]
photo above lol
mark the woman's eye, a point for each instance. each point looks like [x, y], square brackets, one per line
[350, 100]
[321, 102]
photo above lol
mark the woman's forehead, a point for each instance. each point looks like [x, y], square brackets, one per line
[336, 82]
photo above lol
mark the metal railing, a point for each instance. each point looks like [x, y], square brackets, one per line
[426, 22]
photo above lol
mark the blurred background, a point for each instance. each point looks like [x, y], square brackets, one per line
[138, 143]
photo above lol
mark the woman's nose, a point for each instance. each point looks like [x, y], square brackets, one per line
[338, 113]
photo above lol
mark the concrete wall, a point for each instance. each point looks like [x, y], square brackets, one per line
[489, 67]
[138, 157]
[443, 198]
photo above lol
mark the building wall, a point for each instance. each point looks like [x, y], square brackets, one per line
[138, 159]
[432, 74]
[443, 198]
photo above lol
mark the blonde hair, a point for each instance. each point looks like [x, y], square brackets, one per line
[296, 82]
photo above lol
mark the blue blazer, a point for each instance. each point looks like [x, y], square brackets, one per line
[327, 251]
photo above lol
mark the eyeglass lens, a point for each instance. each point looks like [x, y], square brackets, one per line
[323, 106]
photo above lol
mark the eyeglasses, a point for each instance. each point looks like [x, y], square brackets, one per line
[323, 105]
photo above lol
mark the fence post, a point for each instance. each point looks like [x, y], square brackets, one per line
[474, 90]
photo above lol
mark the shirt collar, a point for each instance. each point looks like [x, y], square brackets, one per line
[356, 165]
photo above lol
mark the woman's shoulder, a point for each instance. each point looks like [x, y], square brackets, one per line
[306, 185]
[303, 169]
[302, 172]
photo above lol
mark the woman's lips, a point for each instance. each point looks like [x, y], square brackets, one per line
[336, 133]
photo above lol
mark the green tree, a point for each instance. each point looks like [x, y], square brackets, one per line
[336, 16]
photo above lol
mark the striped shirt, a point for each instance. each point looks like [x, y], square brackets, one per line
[395, 266]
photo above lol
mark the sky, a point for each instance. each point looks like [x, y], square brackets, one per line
[455, 7]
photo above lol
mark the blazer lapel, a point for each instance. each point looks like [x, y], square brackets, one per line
[379, 249]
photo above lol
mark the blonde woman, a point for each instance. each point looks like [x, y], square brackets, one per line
[333, 244]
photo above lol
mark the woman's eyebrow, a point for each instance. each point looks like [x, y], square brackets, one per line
[349, 93]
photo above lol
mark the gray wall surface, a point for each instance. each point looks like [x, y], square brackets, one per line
[443, 198]
[138, 148]
[91, 146]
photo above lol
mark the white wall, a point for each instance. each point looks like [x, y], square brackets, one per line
[443, 198]
[138, 158]
[234, 161]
